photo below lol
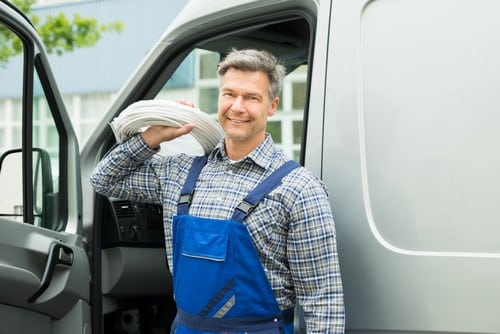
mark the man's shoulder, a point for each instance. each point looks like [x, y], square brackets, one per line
[302, 179]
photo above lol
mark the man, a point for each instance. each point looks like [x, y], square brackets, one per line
[248, 232]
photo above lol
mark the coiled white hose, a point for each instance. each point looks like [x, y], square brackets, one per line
[144, 113]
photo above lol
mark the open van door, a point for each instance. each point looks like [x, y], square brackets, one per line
[44, 269]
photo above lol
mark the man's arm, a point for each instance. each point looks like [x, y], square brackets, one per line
[130, 170]
[127, 172]
[314, 261]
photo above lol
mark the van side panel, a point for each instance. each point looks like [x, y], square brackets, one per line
[411, 159]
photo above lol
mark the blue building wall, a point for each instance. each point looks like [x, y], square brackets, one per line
[107, 65]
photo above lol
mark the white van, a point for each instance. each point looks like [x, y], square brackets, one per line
[394, 104]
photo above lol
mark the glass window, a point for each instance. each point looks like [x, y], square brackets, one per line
[45, 153]
[299, 90]
[15, 138]
[11, 186]
[274, 128]
[17, 111]
[46, 140]
[208, 61]
[3, 136]
[298, 127]
[208, 99]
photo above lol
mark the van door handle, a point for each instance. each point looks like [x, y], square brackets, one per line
[58, 254]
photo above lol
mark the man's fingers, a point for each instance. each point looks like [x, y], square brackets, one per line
[186, 103]
[157, 134]
[185, 129]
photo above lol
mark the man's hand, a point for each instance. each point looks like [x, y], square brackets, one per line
[157, 134]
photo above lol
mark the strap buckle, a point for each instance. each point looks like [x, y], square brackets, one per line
[186, 198]
[246, 207]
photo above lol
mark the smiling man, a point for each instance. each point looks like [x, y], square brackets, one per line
[249, 233]
[244, 106]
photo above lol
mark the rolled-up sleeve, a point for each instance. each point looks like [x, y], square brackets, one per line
[129, 171]
[314, 261]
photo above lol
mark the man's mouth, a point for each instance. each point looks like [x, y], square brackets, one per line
[237, 120]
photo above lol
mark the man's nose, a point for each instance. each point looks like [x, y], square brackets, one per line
[238, 104]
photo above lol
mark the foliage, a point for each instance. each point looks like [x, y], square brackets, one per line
[58, 33]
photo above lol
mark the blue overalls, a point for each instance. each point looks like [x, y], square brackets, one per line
[219, 283]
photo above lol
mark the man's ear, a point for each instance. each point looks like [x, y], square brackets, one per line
[274, 105]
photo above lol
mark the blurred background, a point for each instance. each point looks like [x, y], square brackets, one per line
[90, 76]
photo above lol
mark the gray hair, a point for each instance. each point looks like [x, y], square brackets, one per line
[254, 61]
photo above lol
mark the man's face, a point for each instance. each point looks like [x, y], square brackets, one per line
[244, 105]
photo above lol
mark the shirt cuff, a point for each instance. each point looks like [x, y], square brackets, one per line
[137, 149]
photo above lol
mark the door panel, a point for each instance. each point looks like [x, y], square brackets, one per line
[44, 268]
[25, 252]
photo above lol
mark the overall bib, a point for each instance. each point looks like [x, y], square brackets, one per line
[219, 283]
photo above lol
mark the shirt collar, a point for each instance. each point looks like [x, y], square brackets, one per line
[262, 155]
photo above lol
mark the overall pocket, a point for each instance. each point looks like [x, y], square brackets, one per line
[204, 244]
[202, 265]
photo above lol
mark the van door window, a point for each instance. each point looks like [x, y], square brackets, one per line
[10, 107]
[11, 187]
[46, 139]
[44, 153]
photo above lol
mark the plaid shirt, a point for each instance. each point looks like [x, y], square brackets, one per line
[292, 228]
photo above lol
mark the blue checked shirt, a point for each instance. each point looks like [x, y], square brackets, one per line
[292, 228]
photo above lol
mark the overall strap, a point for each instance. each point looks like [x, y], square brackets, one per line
[265, 187]
[188, 188]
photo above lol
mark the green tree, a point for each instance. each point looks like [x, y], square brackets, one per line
[59, 34]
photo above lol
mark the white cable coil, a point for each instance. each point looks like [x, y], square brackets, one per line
[141, 114]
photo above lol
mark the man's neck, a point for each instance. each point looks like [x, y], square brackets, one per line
[236, 150]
